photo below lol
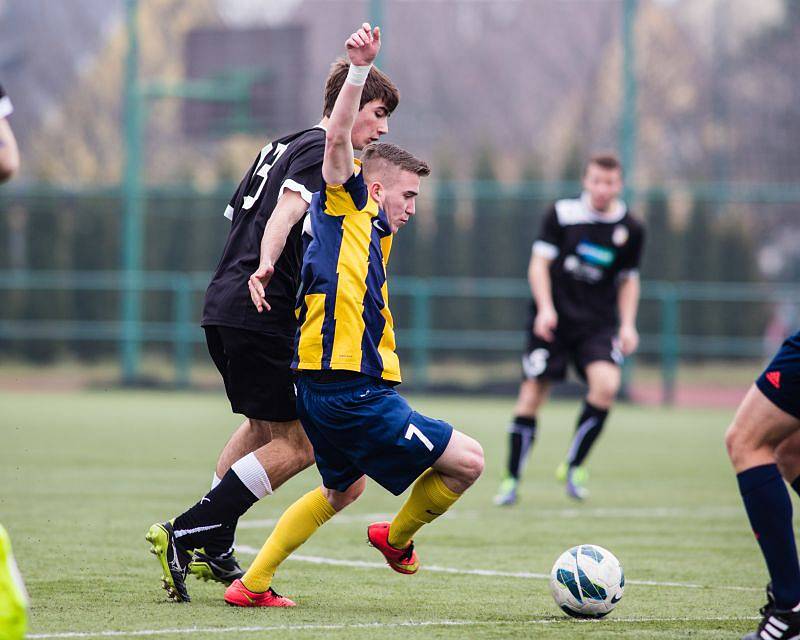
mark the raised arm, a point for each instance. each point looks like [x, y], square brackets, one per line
[9, 154]
[362, 48]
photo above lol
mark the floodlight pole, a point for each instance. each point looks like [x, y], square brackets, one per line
[376, 17]
[628, 125]
[132, 206]
[233, 88]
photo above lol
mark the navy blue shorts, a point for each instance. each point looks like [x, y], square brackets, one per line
[780, 381]
[364, 427]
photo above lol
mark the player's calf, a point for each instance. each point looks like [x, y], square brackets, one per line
[251, 435]
[297, 524]
[788, 458]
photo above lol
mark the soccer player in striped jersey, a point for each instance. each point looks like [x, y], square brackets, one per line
[347, 367]
[250, 326]
[763, 442]
[584, 279]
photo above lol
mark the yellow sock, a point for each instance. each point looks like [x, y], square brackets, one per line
[294, 527]
[429, 499]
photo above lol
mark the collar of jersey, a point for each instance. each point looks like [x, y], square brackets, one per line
[618, 206]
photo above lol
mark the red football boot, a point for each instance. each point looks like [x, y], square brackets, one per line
[238, 595]
[401, 560]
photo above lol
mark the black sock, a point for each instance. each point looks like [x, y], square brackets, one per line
[770, 512]
[211, 523]
[590, 424]
[522, 433]
[796, 485]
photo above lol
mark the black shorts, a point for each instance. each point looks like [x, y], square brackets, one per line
[780, 381]
[256, 370]
[548, 360]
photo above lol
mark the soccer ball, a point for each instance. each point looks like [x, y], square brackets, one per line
[587, 581]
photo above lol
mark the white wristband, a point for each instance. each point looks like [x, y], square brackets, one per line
[358, 75]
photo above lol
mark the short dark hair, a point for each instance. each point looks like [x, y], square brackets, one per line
[607, 161]
[377, 87]
[391, 154]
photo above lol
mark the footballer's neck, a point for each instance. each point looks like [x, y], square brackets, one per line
[609, 210]
[323, 124]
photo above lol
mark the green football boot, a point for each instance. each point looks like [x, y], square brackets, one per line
[13, 597]
[224, 568]
[507, 493]
[576, 483]
[173, 558]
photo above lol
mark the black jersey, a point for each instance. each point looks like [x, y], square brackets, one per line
[293, 162]
[591, 254]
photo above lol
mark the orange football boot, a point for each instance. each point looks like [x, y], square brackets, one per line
[401, 560]
[238, 595]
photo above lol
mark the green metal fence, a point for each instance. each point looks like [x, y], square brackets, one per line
[421, 338]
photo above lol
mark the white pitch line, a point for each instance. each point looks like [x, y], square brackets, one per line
[714, 511]
[365, 625]
[491, 573]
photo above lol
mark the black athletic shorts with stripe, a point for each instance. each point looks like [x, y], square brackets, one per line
[255, 368]
[572, 345]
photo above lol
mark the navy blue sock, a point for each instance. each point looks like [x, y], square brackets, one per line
[770, 511]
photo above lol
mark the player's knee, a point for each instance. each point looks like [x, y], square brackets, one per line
[302, 457]
[741, 442]
[261, 427]
[472, 461]
[732, 441]
[304, 452]
[602, 394]
[340, 499]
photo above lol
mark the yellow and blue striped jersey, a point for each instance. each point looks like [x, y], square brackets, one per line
[343, 302]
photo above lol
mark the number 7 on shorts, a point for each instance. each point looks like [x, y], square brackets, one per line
[414, 431]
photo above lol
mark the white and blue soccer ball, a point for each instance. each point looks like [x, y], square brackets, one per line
[587, 581]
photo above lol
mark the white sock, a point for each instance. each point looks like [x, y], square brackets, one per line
[253, 475]
[216, 480]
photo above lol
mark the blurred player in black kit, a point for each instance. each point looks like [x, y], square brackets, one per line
[584, 279]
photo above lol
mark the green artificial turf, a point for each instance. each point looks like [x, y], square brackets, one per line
[84, 475]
